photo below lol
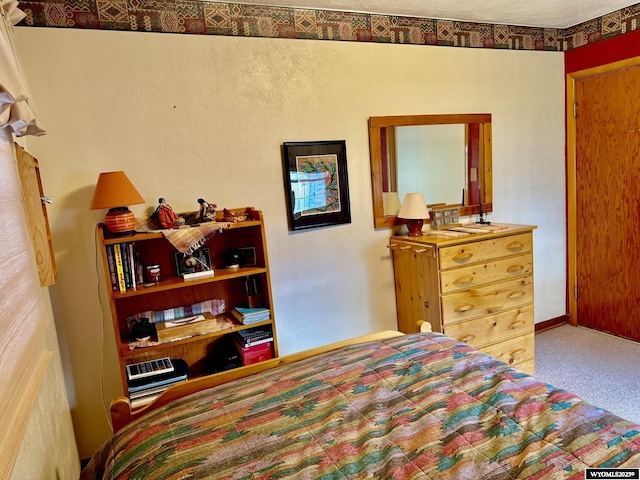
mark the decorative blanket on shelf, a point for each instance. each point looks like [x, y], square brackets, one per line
[185, 239]
[418, 406]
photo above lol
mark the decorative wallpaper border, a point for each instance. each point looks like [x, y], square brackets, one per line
[232, 19]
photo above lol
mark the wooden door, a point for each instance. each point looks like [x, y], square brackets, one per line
[608, 202]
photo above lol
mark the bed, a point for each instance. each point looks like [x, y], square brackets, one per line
[386, 406]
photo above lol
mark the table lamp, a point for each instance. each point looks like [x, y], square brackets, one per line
[116, 192]
[414, 210]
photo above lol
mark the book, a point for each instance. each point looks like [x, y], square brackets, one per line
[117, 257]
[180, 371]
[112, 268]
[256, 342]
[133, 268]
[251, 315]
[255, 336]
[143, 400]
[154, 387]
[126, 266]
[145, 390]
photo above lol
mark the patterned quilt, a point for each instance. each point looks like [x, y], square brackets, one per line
[419, 406]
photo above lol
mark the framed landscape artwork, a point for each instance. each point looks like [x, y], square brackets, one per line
[316, 183]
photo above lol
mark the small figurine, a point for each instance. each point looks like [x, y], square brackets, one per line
[168, 218]
[207, 211]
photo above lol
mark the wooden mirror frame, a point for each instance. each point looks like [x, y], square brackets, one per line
[478, 126]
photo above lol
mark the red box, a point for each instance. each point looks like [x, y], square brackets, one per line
[255, 353]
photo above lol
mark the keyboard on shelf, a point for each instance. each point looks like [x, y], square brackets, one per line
[149, 368]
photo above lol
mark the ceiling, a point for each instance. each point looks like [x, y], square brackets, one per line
[530, 13]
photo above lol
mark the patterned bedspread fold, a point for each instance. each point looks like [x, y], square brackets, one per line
[419, 406]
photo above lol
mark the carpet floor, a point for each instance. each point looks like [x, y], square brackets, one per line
[602, 369]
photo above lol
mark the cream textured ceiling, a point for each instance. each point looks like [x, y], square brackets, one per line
[531, 13]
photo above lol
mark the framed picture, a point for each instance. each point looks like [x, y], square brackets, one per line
[199, 261]
[316, 184]
[247, 256]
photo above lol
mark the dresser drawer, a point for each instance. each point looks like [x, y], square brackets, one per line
[488, 300]
[493, 328]
[488, 272]
[519, 352]
[475, 252]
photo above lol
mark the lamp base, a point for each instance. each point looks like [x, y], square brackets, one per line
[120, 220]
[415, 227]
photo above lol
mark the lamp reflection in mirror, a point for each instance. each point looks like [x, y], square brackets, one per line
[390, 203]
[414, 210]
[116, 192]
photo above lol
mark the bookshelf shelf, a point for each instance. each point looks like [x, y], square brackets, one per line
[141, 236]
[174, 297]
[126, 351]
[221, 275]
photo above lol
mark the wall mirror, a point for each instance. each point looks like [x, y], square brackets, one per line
[447, 158]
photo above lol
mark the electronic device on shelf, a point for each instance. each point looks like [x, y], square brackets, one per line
[149, 368]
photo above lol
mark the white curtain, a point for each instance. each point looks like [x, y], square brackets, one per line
[23, 317]
[17, 110]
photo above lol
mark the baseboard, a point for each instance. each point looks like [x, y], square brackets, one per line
[552, 323]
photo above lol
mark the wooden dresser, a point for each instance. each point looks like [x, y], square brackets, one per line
[477, 288]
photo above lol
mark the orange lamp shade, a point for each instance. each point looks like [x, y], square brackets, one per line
[116, 192]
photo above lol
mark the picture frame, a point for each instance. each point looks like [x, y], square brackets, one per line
[316, 183]
[247, 256]
[445, 217]
[199, 261]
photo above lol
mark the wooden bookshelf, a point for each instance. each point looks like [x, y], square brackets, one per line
[172, 293]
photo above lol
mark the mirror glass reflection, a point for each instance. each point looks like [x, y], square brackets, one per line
[447, 158]
[431, 159]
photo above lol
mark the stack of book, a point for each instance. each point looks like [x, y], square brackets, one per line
[254, 336]
[254, 345]
[124, 269]
[251, 315]
[147, 380]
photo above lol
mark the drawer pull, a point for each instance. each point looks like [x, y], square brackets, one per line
[463, 308]
[466, 338]
[516, 323]
[405, 247]
[392, 246]
[464, 280]
[515, 246]
[420, 250]
[462, 256]
[516, 352]
[515, 268]
[514, 295]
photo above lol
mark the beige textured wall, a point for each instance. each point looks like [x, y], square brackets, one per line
[202, 116]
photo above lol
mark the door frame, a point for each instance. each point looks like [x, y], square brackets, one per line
[572, 244]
